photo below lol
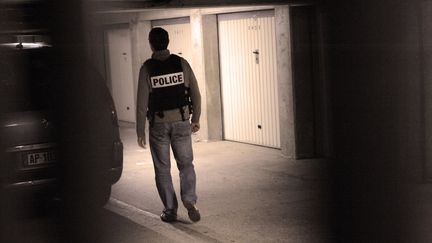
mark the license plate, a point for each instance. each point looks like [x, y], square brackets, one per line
[40, 158]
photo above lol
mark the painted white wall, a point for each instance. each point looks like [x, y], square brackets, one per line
[121, 73]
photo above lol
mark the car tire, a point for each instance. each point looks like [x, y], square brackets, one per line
[103, 195]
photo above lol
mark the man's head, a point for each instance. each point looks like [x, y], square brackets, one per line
[158, 39]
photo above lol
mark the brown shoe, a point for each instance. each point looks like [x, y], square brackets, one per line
[193, 212]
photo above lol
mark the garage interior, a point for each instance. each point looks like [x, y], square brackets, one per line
[252, 96]
[331, 140]
[353, 86]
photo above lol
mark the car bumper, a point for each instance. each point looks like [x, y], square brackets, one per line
[114, 172]
[31, 184]
[111, 172]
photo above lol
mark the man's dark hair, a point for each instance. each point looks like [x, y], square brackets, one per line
[158, 38]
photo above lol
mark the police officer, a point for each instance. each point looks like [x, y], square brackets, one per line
[169, 97]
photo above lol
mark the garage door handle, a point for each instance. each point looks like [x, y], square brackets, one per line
[256, 52]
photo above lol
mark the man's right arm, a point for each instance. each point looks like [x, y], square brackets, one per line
[142, 103]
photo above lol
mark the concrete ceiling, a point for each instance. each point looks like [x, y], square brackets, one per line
[129, 6]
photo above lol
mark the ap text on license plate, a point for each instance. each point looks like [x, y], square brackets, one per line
[40, 158]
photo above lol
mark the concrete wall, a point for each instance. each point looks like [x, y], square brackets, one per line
[285, 84]
[141, 50]
[305, 80]
[199, 69]
[212, 77]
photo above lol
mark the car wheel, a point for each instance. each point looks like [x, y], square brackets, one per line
[103, 195]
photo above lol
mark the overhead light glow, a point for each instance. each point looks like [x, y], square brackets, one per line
[26, 45]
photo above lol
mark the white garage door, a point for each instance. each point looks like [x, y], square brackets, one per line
[248, 72]
[120, 61]
[179, 31]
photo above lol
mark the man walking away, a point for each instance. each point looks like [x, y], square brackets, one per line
[169, 97]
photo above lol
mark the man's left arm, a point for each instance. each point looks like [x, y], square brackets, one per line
[195, 97]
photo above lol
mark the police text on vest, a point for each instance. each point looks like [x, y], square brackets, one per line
[167, 80]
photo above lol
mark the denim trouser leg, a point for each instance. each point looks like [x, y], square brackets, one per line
[178, 135]
[181, 143]
[160, 150]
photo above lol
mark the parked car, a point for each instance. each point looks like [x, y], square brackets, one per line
[58, 124]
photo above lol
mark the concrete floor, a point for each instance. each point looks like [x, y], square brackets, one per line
[246, 193]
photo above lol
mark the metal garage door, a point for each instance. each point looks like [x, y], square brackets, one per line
[179, 31]
[248, 72]
[120, 61]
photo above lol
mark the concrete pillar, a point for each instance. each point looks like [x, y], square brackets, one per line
[213, 90]
[196, 21]
[140, 47]
[141, 51]
[285, 81]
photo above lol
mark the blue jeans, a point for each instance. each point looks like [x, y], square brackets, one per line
[178, 136]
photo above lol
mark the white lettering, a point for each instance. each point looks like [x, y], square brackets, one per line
[167, 80]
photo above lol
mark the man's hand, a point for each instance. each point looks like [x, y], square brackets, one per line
[195, 127]
[142, 142]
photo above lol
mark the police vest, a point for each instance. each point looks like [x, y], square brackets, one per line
[168, 88]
